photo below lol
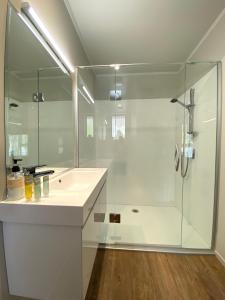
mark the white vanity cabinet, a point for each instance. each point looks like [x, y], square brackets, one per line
[52, 258]
[91, 237]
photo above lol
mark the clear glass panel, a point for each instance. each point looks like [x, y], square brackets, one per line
[56, 119]
[199, 182]
[87, 121]
[135, 133]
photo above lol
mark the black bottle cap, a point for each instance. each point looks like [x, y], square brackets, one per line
[15, 167]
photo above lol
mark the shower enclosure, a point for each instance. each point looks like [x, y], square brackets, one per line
[161, 154]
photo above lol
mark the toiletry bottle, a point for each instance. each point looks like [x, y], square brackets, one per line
[37, 188]
[15, 182]
[46, 185]
[28, 178]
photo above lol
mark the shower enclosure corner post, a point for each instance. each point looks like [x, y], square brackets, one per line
[218, 153]
[76, 117]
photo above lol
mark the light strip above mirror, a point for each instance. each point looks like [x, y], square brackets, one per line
[44, 44]
[82, 94]
[32, 20]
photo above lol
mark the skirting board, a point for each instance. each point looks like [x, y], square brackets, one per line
[220, 258]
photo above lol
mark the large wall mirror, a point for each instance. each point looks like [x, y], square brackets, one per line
[38, 101]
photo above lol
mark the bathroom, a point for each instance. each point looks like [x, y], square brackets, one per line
[112, 143]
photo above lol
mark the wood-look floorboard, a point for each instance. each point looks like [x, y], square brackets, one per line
[134, 275]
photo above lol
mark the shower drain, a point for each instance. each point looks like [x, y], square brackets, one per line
[134, 210]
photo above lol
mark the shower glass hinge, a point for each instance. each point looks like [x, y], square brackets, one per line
[38, 97]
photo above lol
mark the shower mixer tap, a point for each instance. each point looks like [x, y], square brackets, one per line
[187, 150]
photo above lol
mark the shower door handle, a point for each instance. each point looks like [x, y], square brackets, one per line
[176, 151]
[177, 157]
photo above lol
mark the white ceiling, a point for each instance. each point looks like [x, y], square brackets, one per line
[134, 31]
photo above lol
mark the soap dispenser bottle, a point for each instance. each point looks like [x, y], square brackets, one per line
[15, 182]
[28, 180]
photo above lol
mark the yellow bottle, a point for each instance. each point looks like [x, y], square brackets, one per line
[28, 187]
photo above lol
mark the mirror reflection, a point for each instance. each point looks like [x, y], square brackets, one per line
[38, 97]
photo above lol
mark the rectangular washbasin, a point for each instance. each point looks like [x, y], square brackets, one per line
[72, 196]
[75, 180]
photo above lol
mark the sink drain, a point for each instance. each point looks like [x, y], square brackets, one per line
[134, 210]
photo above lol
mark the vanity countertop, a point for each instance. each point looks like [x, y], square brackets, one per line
[71, 198]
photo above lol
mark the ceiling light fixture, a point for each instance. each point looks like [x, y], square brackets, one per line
[88, 94]
[32, 16]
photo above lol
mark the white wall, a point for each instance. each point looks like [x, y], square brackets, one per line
[56, 134]
[22, 120]
[141, 164]
[140, 82]
[87, 143]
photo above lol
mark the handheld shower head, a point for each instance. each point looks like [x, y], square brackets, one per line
[13, 105]
[189, 108]
[174, 100]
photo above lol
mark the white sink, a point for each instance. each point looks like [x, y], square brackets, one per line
[75, 181]
[72, 195]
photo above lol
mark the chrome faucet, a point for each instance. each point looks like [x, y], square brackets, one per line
[32, 170]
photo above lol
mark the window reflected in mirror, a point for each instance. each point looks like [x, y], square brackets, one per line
[90, 127]
[118, 127]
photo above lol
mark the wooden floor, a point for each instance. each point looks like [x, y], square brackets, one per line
[130, 275]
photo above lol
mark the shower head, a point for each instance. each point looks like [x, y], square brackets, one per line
[13, 105]
[174, 100]
[190, 109]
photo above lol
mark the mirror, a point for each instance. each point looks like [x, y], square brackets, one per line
[38, 101]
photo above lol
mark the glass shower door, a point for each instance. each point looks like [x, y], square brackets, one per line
[134, 136]
[199, 184]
